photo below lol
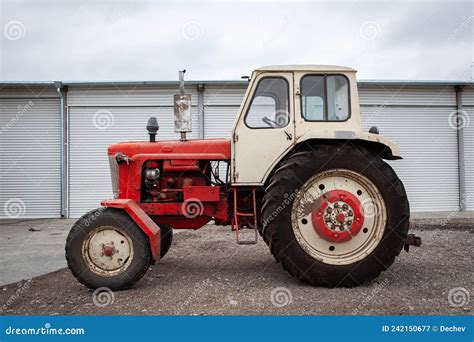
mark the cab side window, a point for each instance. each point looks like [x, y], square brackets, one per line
[325, 98]
[269, 107]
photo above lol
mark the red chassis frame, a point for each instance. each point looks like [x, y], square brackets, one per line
[201, 204]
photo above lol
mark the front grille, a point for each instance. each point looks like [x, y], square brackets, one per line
[114, 174]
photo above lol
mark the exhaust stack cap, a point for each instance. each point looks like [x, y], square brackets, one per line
[152, 128]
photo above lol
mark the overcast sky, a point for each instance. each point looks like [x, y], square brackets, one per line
[152, 40]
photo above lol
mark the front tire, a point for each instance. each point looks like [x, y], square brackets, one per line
[317, 221]
[166, 239]
[106, 248]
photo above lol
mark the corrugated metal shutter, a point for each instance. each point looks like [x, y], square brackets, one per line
[92, 130]
[219, 120]
[221, 105]
[427, 142]
[469, 151]
[30, 153]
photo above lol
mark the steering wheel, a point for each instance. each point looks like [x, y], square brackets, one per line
[270, 122]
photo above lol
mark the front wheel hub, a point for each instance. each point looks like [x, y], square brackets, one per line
[108, 250]
[337, 216]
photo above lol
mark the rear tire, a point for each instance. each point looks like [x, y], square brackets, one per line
[280, 228]
[102, 232]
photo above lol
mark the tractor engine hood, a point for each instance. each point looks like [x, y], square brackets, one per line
[203, 149]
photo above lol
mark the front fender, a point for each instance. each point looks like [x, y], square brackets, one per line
[141, 218]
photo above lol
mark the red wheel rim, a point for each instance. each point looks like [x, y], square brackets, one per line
[337, 216]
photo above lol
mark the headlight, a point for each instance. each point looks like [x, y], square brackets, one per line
[114, 174]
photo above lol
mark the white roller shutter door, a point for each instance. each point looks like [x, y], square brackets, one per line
[221, 106]
[30, 153]
[468, 107]
[417, 120]
[92, 130]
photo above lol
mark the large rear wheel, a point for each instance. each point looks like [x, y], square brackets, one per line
[335, 215]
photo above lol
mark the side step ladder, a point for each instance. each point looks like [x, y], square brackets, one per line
[246, 218]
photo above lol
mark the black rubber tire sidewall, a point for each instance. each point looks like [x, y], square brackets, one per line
[166, 239]
[107, 217]
[294, 173]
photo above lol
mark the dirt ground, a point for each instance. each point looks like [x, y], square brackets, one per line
[206, 273]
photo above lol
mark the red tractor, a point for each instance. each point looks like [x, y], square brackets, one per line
[299, 170]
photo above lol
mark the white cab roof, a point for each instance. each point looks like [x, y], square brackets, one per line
[296, 67]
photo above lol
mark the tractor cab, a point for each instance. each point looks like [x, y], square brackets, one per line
[285, 106]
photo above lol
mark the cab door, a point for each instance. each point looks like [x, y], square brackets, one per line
[265, 128]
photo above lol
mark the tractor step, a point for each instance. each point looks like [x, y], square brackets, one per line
[245, 222]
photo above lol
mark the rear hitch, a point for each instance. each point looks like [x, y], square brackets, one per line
[411, 240]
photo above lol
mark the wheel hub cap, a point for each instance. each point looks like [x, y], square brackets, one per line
[108, 250]
[337, 216]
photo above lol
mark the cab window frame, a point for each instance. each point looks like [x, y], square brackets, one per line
[276, 100]
[326, 107]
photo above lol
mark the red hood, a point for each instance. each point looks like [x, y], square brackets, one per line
[212, 149]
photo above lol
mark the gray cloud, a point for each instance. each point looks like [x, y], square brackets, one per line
[143, 40]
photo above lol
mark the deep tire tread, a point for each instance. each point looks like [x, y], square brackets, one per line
[293, 172]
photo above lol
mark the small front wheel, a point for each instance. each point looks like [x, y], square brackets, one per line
[166, 239]
[105, 248]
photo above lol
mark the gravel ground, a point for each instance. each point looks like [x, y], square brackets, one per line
[206, 273]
